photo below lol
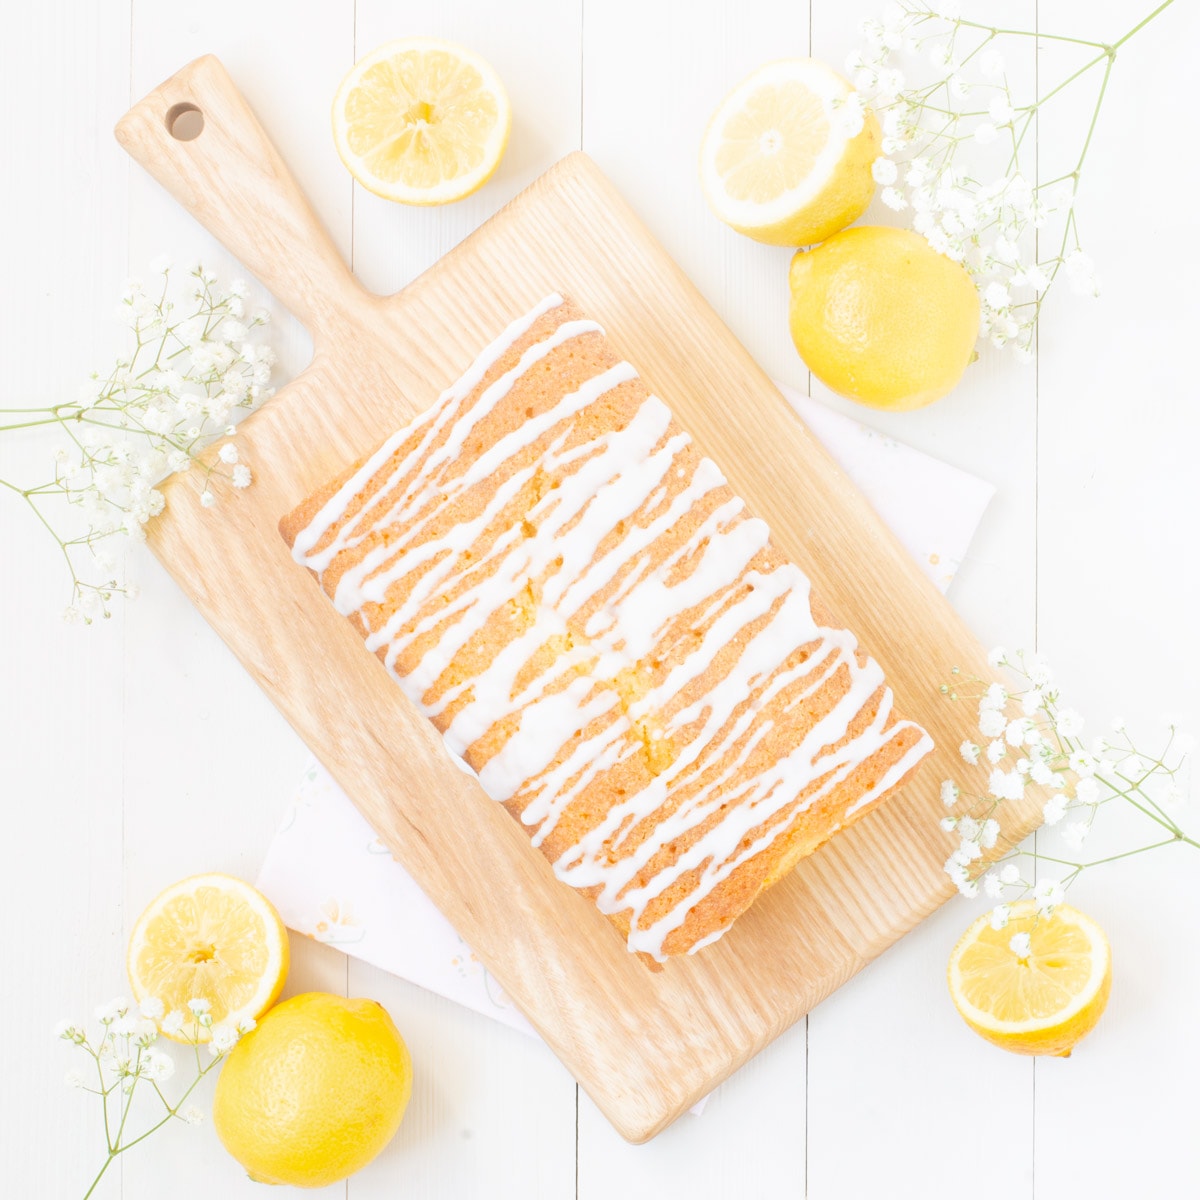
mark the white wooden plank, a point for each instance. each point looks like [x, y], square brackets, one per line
[491, 1111]
[748, 1141]
[209, 763]
[888, 1057]
[62, 212]
[1117, 493]
[1114, 485]
[652, 76]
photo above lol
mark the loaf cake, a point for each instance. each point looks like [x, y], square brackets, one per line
[572, 593]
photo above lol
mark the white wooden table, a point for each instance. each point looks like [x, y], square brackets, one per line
[137, 752]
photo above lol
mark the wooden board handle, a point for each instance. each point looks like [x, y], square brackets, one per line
[197, 136]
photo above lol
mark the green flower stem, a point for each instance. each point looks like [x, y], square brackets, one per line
[1142, 24]
[115, 1144]
[994, 31]
[1163, 820]
[1096, 862]
[37, 512]
[173, 1111]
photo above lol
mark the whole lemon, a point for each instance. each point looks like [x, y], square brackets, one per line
[315, 1092]
[880, 316]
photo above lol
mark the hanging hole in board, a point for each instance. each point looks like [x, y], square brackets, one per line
[185, 122]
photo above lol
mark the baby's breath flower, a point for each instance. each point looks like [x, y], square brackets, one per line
[159, 1067]
[1005, 785]
[224, 1038]
[1000, 916]
[172, 1023]
[1075, 780]
[1083, 763]
[241, 476]
[1015, 731]
[124, 1026]
[1132, 766]
[151, 1008]
[130, 1063]
[884, 170]
[1039, 671]
[989, 832]
[992, 723]
[949, 793]
[1069, 723]
[1001, 110]
[1054, 809]
[152, 414]
[1075, 833]
[106, 1014]
[1019, 945]
[986, 133]
[1041, 773]
[1047, 895]
[924, 70]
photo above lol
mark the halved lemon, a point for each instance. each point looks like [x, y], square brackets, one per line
[214, 938]
[779, 162]
[421, 121]
[1042, 1002]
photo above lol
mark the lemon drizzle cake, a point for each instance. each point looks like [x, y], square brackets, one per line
[575, 597]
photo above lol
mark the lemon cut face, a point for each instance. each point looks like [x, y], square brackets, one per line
[421, 121]
[778, 164]
[211, 937]
[1044, 1002]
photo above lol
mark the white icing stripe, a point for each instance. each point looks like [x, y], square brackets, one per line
[608, 573]
[334, 510]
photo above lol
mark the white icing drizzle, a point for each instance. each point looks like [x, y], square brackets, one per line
[704, 812]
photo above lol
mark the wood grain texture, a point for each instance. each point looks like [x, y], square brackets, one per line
[644, 1047]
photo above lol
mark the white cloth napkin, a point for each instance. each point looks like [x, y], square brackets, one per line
[332, 879]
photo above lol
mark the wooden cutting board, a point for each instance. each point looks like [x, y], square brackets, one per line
[644, 1045]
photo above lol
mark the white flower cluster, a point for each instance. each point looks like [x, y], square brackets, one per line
[1028, 739]
[193, 369]
[126, 1054]
[941, 89]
